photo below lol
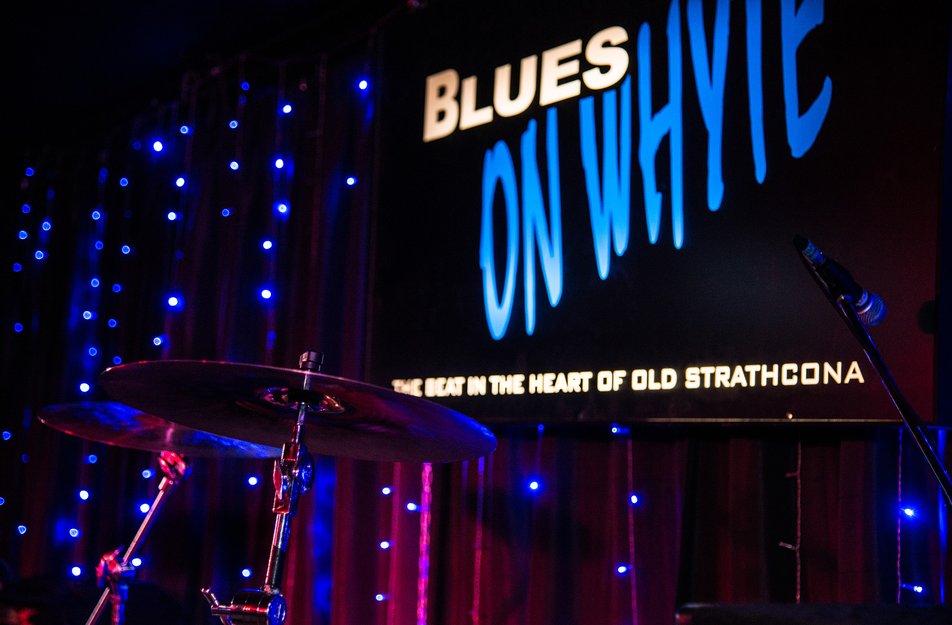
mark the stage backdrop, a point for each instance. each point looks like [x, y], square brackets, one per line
[586, 213]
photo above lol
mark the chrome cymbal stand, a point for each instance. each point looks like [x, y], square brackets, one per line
[293, 476]
[113, 570]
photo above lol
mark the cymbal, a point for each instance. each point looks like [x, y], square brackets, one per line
[124, 426]
[259, 403]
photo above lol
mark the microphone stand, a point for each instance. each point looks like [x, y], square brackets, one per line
[908, 414]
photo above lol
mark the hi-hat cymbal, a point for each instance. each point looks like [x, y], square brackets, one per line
[259, 403]
[124, 426]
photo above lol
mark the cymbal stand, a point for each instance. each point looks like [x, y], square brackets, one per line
[293, 476]
[113, 570]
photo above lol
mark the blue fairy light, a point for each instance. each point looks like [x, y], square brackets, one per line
[385, 544]
[2, 501]
[266, 294]
[175, 301]
[83, 495]
[123, 182]
[157, 146]
[252, 480]
[17, 267]
[233, 124]
[267, 244]
[281, 207]
[39, 254]
[172, 216]
[74, 532]
[6, 435]
[21, 529]
[233, 165]
[144, 507]
[47, 225]
[621, 569]
[29, 172]
[412, 507]
[386, 490]
[87, 315]
[92, 351]
[112, 323]
[99, 245]
[157, 341]
[363, 84]
[534, 485]
[286, 109]
[147, 474]
[246, 572]
[909, 512]
[137, 562]
[116, 287]
[380, 597]
[633, 498]
[25, 209]
[245, 85]
[183, 129]
[279, 163]
[116, 360]
[180, 182]
[126, 250]
[76, 571]
[92, 459]
[18, 327]
[22, 235]
[351, 181]
[94, 283]
[226, 212]
[84, 387]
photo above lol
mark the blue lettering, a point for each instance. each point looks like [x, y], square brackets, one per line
[710, 79]
[755, 87]
[534, 229]
[609, 204]
[794, 26]
[498, 167]
[653, 128]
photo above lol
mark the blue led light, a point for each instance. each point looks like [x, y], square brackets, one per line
[174, 301]
[98, 245]
[18, 327]
[412, 507]
[916, 588]
[184, 129]
[226, 212]
[144, 507]
[380, 597]
[622, 569]
[136, 562]
[362, 84]
[157, 341]
[29, 171]
[386, 490]
[267, 244]
[6, 435]
[633, 499]
[24, 458]
[252, 480]
[76, 571]
[909, 512]
[281, 207]
[87, 315]
[26, 208]
[92, 459]
[172, 216]
[279, 163]
[266, 294]
[112, 323]
[92, 351]
[17, 267]
[116, 287]
[534, 485]
[157, 146]
[2, 501]
[245, 86]
[39, 255]
[233, 165]
[126, 250]
[84, 494]
[74, 533]
[147, 473]
[385, 544]
[123, 182]
[351, 181]
[286, 109]
[246, 572]
[180, 182]
[136, 145]
[94, 283]
[233, 124]
[21, 529]
[22, 235]
[83, 387]
[116, 360]
[47, 225]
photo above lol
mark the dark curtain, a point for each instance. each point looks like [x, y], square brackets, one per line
[559, 525]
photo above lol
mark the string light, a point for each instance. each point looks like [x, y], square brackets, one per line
[7, 435]
[172, 216]
[412, 507]
[385, 544]
[92, 459]
[279, 163]
[84, 495]
[252, 480]
[136, 562]
[233, 165]
[76, 571]
[622, 569]
[175, 301]
[180, 182]
[233, 124]
[225, 212]
[362, 84]
[246, 572]
[386, 490]
[147, 473]
[123, 182]
[144, 507]
[157, 341]
[184, 129]
[74, 532]
[380, 597]
[909, 512]
[351, 181]
[266, 294]
[267, 244]
[83, 387]
[286, 109]
[633, 499]
[534, 485]
[21, 529]
[18, 327]
[157, 146]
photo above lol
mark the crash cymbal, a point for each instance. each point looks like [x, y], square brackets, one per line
[121, 425]
[259, 403]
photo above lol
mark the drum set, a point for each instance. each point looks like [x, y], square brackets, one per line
[182, 408]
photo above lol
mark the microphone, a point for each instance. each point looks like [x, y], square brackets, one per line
[869, 307]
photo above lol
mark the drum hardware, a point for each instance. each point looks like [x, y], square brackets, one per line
[114, 570]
